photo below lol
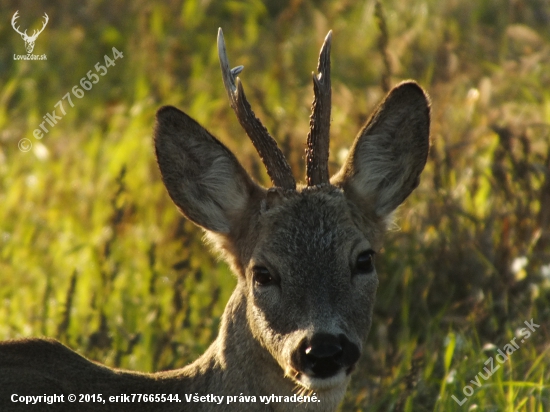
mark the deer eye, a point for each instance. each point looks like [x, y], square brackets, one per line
[262, 276]
[365, 262]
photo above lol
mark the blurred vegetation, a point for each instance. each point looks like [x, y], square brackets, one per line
[93, 252]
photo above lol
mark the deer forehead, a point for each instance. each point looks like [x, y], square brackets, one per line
[311, 226]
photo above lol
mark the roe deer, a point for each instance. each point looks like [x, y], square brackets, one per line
[303, 256]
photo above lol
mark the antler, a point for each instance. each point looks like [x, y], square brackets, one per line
[37, 32]
[319, 123]
[15, 17]
[277, 167]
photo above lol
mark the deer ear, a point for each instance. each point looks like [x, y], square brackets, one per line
[202, 176]
[389, 153]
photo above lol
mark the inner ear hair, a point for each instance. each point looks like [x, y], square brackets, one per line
[203, 178]
[390, 152]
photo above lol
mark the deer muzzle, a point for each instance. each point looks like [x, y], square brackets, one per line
[325, 355]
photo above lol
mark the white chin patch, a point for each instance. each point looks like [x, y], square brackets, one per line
[318, 384]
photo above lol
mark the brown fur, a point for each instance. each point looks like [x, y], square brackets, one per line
[309, 240]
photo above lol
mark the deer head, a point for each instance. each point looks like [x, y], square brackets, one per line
[29, 40]
[304, 255]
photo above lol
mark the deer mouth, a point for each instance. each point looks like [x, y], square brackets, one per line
[315, 383]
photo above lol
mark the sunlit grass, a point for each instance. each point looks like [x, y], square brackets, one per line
[93, 252]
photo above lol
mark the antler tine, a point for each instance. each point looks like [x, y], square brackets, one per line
[13, 20]
[319, 123]
[277, 167]
[37, 32]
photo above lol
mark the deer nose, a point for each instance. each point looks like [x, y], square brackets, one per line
[324, 355]
[323, 350]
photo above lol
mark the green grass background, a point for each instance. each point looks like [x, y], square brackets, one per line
[92, 251]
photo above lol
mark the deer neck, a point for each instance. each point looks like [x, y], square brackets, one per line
[234, 357]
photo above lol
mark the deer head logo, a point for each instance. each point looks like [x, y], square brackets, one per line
[29, 40]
